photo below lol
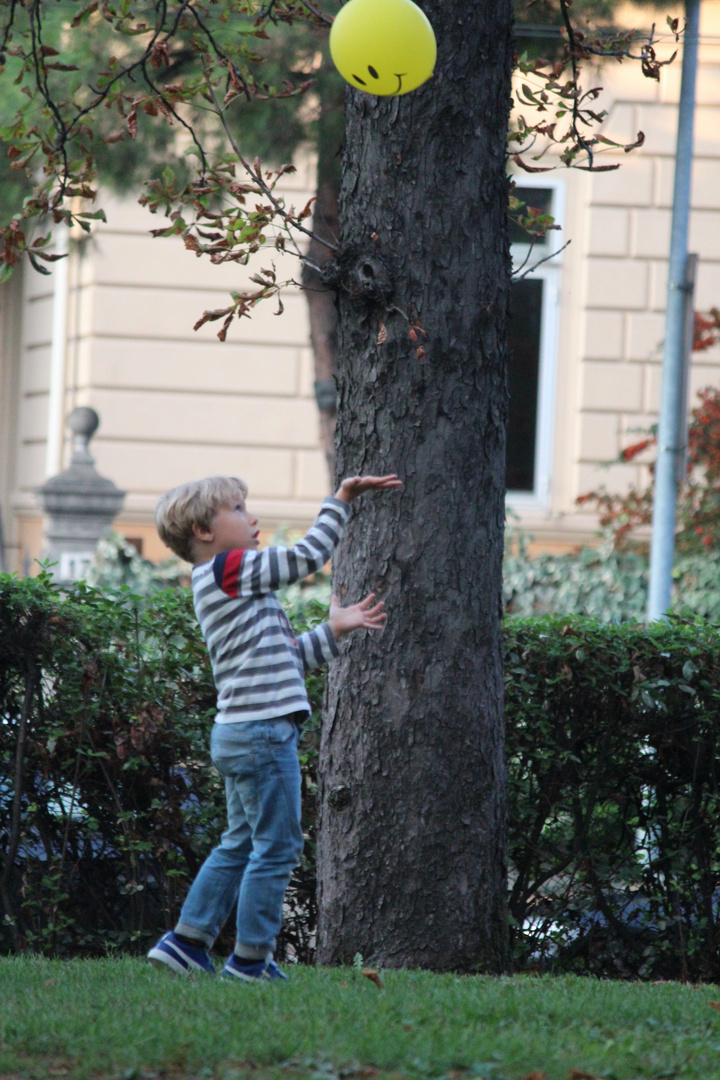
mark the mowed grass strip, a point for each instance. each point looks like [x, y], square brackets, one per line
[121, 1018]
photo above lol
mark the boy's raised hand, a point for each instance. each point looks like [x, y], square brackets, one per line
[362, 616]
[356, 485]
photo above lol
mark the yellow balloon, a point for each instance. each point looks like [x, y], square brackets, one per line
[384, 47]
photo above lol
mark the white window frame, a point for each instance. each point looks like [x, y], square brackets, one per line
[550, 274]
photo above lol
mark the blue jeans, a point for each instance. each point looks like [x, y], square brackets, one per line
[263, 841]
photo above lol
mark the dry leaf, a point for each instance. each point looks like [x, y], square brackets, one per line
[382, 335]
[578, 1074]
[372, 975]
[714, 1005]
[420, 353]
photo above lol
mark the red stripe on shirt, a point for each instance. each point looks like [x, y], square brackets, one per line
[231, 572]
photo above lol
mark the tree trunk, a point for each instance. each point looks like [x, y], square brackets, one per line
[411, 869]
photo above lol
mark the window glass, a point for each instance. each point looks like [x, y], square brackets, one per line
[523, 379]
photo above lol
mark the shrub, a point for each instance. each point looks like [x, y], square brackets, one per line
[605, 583]
[698, 504]
[109, 802]
[118, 563]
[109, 796]
[612, 743]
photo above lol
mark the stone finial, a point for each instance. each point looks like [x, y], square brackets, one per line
[79, 504]
[83, 422]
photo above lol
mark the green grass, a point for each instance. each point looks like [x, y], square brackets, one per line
[122, 1018]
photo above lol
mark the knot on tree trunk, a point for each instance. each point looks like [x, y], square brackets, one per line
[339, 797]
[361, 273]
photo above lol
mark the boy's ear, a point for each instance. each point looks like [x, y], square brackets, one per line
[200, 533]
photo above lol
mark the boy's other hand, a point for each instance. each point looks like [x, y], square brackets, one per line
[356, 485]
[362, 616]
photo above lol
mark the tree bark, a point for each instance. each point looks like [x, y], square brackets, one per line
[411, 861]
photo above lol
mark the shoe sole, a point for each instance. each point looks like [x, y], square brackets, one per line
[236, 975]
[164, 961]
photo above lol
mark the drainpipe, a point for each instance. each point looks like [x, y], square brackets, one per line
[671, 438]
[56, 401]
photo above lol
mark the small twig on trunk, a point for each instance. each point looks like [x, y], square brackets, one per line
[540, 262]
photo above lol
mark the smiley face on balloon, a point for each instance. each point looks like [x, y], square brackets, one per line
[384, 47]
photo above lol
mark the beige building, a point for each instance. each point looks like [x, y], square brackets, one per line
[113, 328]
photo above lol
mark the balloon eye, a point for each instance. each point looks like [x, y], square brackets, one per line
[373, 72]
[358, 79]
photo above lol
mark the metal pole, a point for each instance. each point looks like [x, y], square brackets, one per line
[670, 437]
[691, 266]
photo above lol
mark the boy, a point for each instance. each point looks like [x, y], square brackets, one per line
[258, 666]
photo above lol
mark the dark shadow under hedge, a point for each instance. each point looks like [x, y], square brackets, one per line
[108, 801]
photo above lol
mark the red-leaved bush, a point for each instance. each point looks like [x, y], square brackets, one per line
[698, 506]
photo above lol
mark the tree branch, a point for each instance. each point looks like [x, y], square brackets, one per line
[257, 177]
[540, 261]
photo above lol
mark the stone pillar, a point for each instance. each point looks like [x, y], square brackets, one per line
[79, 504]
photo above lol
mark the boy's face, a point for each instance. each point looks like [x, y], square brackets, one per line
[234, 528]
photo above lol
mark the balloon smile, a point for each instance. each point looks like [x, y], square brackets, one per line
[399, 79]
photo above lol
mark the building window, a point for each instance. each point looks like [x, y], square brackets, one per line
[533, 349]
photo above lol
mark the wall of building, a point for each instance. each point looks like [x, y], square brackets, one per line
[177, 404]
[174, 404]
[614, 278]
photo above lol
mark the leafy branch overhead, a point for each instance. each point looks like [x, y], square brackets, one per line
[78, 80]
[568, 120]
[180, 63]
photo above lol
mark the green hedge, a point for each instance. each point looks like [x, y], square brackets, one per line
[612, 743]
[108, 802]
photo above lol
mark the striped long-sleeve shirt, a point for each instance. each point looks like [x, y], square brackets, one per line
[258, 663]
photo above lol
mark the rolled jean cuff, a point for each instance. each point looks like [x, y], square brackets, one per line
[250, 952]
[192, 932]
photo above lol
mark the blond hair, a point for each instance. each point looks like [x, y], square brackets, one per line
[192, 504]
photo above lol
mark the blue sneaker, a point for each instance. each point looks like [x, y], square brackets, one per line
[254, 971]
[179, 957]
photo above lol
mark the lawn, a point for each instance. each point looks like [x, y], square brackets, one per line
[123, 1019]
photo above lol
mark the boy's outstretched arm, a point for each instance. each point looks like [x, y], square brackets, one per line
[362, 616]
[356, 485]
[319, 646]
[251, 573]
